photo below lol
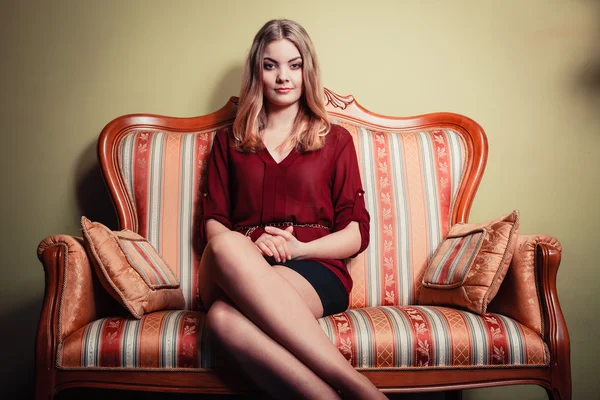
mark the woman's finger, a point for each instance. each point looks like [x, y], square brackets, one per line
[282, 248]
[267, 243]
[287, 234]
[264, 249]
[271, 245]
[286, 245]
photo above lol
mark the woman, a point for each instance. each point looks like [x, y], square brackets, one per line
[283, 208]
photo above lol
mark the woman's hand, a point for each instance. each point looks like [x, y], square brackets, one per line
[279, 244]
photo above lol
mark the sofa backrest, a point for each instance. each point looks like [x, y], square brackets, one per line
[419, 175]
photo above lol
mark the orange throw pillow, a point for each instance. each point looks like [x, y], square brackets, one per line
[468, 267]
[131, 270]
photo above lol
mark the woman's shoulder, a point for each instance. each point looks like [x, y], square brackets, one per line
[339, 135]
[225, 132]
[339, 130]
[224, 135]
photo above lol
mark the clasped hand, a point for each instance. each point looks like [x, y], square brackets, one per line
[280, 244]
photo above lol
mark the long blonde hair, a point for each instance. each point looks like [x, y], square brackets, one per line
[311, 123]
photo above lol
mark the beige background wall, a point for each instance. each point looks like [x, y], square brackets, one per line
[527, 70]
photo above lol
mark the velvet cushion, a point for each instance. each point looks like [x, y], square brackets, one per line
[468, 267]
[131, 270]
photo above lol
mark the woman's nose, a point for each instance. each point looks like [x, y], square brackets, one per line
[282, 76]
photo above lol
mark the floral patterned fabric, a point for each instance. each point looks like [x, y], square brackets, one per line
[411, 179]
[373, 337]
[163, 174]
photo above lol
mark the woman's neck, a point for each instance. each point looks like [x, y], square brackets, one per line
[281, 119]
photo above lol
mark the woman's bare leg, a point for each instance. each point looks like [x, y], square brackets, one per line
[268, 299]
[266, 362]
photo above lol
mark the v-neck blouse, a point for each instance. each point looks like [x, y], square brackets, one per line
[319, 188]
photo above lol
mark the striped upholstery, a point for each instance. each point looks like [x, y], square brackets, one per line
[372, 337]
[417, 336]
[162, 173]
[151, 267]
[163, 339]
[452, 260]
[410, 180]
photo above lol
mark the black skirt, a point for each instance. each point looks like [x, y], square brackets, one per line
[328, 286]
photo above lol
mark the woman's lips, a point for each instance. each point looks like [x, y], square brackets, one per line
[286, 90]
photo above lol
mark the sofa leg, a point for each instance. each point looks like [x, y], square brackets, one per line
[560, 382]
[44, 393]
[44, 386]
[453, 395]
[556, 393]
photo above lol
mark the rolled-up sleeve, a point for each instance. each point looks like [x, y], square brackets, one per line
[348, 194]
[216, 201]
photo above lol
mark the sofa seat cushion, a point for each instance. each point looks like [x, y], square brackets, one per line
[430, 337]
[373, 337]
[162, 339]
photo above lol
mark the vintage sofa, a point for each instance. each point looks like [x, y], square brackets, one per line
[153, 167]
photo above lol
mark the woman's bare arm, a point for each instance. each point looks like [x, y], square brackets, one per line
[338, 245]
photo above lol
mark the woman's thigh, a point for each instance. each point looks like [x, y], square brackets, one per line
[227, 256]
[210, 291]
[306, 291]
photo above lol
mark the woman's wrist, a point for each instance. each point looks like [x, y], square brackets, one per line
[305, 250]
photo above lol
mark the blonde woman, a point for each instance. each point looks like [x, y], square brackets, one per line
[284, 207]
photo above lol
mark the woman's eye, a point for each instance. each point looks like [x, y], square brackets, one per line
[268, 66]
[296, 66]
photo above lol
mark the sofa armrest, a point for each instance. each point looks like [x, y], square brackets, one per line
[524, 292]
[73, 295]
[528, 295]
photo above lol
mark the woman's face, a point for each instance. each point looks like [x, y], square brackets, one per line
[282, 74]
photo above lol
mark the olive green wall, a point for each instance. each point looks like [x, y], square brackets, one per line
[527, 70]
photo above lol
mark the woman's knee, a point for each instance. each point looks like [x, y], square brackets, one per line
[225, 249]
[221, 318]
[224, 244]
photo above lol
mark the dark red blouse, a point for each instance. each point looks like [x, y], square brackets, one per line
[320, 187]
